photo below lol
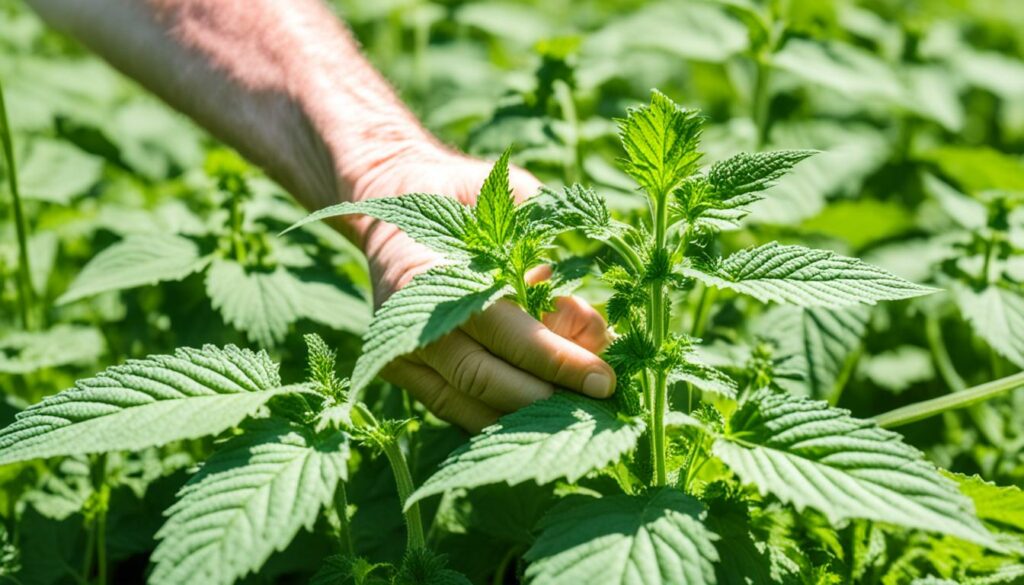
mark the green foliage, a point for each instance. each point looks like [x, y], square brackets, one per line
[804, 277]
[565, 436]
[248, 501]
[813, 456]
[655, 538]
[431, 305]
[147, 402]
[712, 463]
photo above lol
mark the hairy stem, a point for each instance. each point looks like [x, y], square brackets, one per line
[400, 469]
[933, 332]
[658, 320]
[236, 230]
[341, 512]
[970, 396]
[24, 280]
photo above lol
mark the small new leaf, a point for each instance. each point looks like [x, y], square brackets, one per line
[661, 142]
[752, 172]
[248, 501]
[657, 538]
[431, 305]
[495, 207]
[142, 403]
[811, 455]
[565, 436]
[805, 277]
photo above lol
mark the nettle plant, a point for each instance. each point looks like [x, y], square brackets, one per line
[688, 475]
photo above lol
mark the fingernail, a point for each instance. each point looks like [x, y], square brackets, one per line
[598, 385]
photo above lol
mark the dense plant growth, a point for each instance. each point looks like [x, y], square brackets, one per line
[828, 249]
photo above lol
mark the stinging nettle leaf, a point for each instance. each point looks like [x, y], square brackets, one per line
[657, 538]
[814, 343]
[431, 305]
[495, 206]
[811, 455]
[137, 260]
[751, 172]
[436, 221]
[661, 142]
[565, 436]
[997, 315]
[704, 377]
[247, 501]
[265, 304]
[805, 277]
[576, 207]
[995, 504]
[142, 403]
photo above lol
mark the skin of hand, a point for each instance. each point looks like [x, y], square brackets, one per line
[283, 82]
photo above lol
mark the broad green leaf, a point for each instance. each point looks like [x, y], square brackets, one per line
[56, 171]
[977, 169]
[137, 260]
[264, 304]
[637, 540]
[661, 142]
[142, 403]
[23, 352]
[805, 277]
[436, 221]
[576, 207]
[431, 305]
[754, 551]
[495, 207]
[861, 222]
[813, 456]
[848, 70]
[967, 212]
[247, 501]
[814, 343]
[995, 504]
[997, 315]
[563, 437]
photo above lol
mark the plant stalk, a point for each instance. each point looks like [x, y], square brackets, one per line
[25, 293]
[974, 395]
[657, 323]
[403, 479]
[761, 100]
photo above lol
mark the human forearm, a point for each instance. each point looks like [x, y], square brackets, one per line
[282, 81]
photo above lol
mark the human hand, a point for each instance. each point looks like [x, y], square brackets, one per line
[502, 359]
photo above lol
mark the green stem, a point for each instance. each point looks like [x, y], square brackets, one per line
[413, 522]
[236, 230]
[101, 546]
[933, 333]
[25, 292]
[563, 95]
[341, 512]
[986, 266]
[961, 399]
[761, 99]
[657, 324]
[626, 252]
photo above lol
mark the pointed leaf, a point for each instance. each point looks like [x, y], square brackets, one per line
[142, 403]
[995, 504]
[805, 277]
[495, 206]
[811, 455]
[431, 305]
[751, 172]
[137, 260]
[436, 221]
[248, 501]
[658, 538]
[997, 315]
[576, 207]
[661, 142]
[704, 377]
[815, 344]
[565, 436]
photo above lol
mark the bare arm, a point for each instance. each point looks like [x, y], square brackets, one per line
[283, 82]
